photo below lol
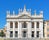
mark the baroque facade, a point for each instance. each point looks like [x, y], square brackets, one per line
[24, 25]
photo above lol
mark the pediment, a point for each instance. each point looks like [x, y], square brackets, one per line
[24, 16]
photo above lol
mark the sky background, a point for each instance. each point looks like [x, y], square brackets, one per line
[11, 5]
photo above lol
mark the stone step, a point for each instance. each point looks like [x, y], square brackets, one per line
[23, 39]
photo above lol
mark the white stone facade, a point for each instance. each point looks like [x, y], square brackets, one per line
[25, 16]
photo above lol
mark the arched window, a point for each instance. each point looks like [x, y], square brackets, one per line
[16, 24]
[24, 25]
[37, 24]
[32, 24]
[11, 24]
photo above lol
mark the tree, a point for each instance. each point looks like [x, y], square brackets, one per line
[2, 34]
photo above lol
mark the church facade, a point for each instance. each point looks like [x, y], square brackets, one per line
[24, 25]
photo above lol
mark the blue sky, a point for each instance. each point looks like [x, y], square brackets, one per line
[11, 5]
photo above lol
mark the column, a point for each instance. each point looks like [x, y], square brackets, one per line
[35, 29]
[41, 29]
[8, 29]
[45, 30]
[13, 29]
[29, 29]
[19, 30]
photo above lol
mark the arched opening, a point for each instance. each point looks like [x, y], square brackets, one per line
[37, 24]
[16, 24]
[11, 24]
[24, 25]
[32, 24]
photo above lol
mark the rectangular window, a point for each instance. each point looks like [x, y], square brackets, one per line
[37, 33]
[16, 33]
[11, 33]
[32, 24]
[32, 34]
[24, 33]
[37, 24]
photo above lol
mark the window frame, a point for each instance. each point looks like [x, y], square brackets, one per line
[32, 35]
[11, 24]
[16, 33]
[37, 24]
[11, 34]
[16, 24]
[32, 24]
[24, 25]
